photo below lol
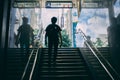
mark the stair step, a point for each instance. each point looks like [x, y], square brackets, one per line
[63, 54]
[64, 67]
[63, 76]
[77, 63]
[68, 52]
[64, 71]
[65, 57]
[64, 61]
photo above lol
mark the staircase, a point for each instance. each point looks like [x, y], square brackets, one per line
[69, 66]
[94, 65]
[16, 63]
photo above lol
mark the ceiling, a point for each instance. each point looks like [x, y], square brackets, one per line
[75, 3]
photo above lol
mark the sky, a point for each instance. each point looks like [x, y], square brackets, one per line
[94, 22]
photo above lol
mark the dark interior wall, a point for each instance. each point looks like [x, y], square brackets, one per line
[1, 18]
[4, 22]
[5, 7]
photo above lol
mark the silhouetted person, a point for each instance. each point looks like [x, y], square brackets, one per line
[25, 36]
[114, 41]
[53, 34]
[118, 30]
[111, 30]
[117, 49]
[88, 41]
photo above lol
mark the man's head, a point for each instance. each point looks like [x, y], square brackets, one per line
[53, 20]
[88, 37]
[25, 20]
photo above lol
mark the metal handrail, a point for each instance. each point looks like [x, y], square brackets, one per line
[25, 70]
[33, 67]
[84, 36]
[107, 62]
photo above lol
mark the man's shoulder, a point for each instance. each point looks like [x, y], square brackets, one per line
[47, 28]
[58, 27]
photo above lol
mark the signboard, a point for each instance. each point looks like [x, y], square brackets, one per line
[59, 4]
[92, 5]
[26, 4]
[92, 1]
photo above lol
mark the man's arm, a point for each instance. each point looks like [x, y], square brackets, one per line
[31, 35]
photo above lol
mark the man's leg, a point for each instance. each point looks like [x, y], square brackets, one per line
[55, 51]
[22, 53]
[49, 52]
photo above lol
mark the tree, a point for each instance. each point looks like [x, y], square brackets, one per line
[98, 43]
[66, 42]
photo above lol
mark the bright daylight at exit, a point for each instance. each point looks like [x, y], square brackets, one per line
[89, 16]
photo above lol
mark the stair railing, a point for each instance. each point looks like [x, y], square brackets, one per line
[34, 64]
[27, 65]
[91, 48]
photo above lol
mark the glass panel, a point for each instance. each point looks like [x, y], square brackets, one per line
[94, 23]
